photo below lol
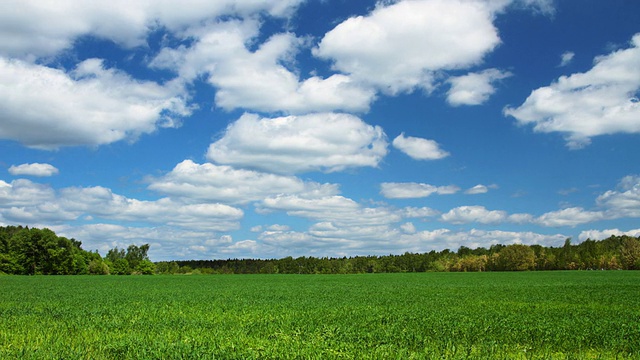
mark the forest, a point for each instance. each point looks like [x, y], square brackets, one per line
[25, 251]
[31, 251]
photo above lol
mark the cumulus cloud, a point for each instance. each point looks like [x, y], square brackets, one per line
[612, 204]
[474, 88]
[34, 169]
[470, 214]
[210, 182]
[603, 234]
[330, 240]
[408, 228]
[278, 227]
[24, 201]
[624, 202]
[479, 214]
[23, 192]
[264, 79]
[422, 212]
[316, 142]
[444, 238]
[167, 242]
[29, 28]
[398, 47]
[334, 209]
[480, 189]
[47, 108]
[411, 190]
[603, 100]
[569, 217]
[419, 148]
[341, 225]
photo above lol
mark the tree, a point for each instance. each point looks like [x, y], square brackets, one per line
[630, 253]
[119, 267]
[517, 257]
[98, 267]
[136, 254]
[145, 267]
[566, 258]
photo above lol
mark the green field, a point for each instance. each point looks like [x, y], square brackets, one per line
[539, 315]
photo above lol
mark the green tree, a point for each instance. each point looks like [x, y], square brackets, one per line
[98, 267]
[136, 254]
[115, 254]
[117, 262]
[517, 257]
[630, 253]
[145, 267]
[119, 267]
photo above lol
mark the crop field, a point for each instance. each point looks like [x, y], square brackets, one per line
[530, 315]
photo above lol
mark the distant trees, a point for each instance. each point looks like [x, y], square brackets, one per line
[516, 257]
[25, 251]
[40, 251]
[132, 261]
[616, 252]
[630, 253]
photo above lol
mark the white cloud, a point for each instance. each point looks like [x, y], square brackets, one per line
[603, 100]
[398, 47]
[210, 182]
[470, 214]
[317, 142]
[335, 209]
[322, 239]
[23, 201]
[566, 58]
[101, 202]
[167, 243]
[474, 88]
[46, 108]
[413, 212]
[569, 217]
[278, 227]
[408, 228]
[418, 148]
[625, 202]
[521, 218]
[34, 169]
[260, 80]
[603, 234]
[612, 204]
[412, 190]
[342, 226]
[444, 238]
[23, 192]
[480, 189]
[326, 239]
[33, 28]
[243, 248]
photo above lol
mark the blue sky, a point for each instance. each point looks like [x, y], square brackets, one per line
[265, 129]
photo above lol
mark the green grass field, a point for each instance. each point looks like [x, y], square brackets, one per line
[532, 315]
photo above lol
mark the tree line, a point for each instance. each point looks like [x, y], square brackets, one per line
[25, 251]
[613, 253]
[35, 251]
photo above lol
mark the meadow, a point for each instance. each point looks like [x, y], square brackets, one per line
[509, 315]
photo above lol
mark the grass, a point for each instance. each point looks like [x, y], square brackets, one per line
[534, 315]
